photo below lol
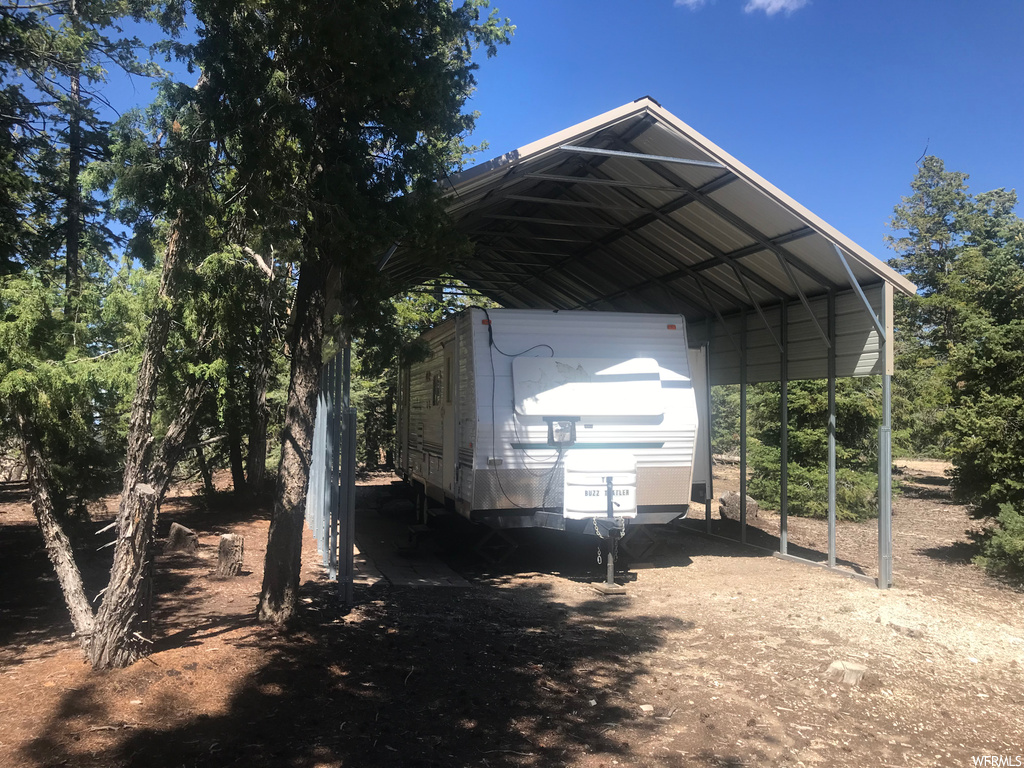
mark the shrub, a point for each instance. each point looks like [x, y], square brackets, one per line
[1004, 550]
[858, 407]
[856, 491]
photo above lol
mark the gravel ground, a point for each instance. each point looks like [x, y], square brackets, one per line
[716, 656]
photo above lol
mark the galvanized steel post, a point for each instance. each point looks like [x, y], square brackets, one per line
[348, 491]
[743, 427]
[710, 493]
[784, 434]
[336, 438]
[832, 429]
[885, 488]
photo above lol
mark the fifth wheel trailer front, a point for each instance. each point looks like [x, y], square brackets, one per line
[517, 418]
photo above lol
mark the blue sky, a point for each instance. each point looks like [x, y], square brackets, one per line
[833, 101]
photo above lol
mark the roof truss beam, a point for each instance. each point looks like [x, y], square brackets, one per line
[726, 259]
[748, 229]
[550, 222]
[558, 201]
[662, 215]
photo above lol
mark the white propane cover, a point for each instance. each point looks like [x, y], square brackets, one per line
[586, 483]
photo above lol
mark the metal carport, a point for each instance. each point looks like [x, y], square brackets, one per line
[634, 210]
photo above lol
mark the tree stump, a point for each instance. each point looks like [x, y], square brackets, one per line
[182, 539]
[229, 556]
[850, 672]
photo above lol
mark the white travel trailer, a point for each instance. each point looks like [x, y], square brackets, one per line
[520, 418]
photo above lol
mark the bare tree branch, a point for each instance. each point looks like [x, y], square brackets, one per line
[268, 269]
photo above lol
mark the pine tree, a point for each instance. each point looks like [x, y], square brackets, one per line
[963, 338]
[340, 119]
[858, 408]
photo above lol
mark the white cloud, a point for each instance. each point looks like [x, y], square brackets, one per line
[693, 5]
[771, 7]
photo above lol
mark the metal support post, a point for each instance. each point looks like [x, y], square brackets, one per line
[340, 433]
[743, 427]
[784, 433]
[832, 430]
[315, 488]
[710, 494]
[348, 490]
[885, 487]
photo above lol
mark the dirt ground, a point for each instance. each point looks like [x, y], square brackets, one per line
[717, 655]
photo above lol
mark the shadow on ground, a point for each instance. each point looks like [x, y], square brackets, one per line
[416, 677]
[32, 609]
[499, 674]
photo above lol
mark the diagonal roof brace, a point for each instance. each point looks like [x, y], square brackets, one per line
[757, 306]
[803, 299]
[860, 292]
[640, 156]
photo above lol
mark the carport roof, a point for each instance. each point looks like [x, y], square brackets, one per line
[634, 210]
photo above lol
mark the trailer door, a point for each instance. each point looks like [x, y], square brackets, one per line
[450, 446]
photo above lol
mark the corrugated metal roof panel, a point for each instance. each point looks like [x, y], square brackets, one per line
[711, 227]
[757, 211]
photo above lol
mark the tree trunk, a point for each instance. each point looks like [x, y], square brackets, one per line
[72, 257]
[389, 407]
[118, 638]
[122, 626]
[256, 460]
[172, 447]
[279, 595]
[58, 547]
[235, 452]
[204, 470]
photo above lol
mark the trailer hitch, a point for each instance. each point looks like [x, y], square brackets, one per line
[612, 528]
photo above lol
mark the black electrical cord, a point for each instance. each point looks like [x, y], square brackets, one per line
[490, 339]
[491, 346]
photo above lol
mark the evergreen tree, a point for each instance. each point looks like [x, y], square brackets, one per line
[858, 409]
[962, 371]
[64, 372]
[340, 119]
[383, 345]
[725, 418]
